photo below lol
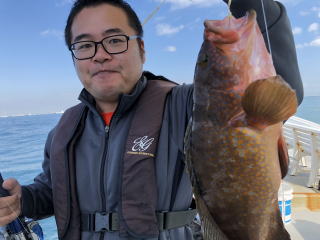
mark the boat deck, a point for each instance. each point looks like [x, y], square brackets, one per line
[305, 224]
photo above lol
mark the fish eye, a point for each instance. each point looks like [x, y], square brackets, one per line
[203, 60]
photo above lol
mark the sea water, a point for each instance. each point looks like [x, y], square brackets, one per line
[22, 142]
[2, 230]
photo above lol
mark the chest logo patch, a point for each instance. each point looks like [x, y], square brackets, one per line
[141, 144]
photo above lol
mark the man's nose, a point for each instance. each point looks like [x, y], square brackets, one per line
[101, 54]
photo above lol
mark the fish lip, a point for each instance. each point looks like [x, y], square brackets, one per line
[103, 71]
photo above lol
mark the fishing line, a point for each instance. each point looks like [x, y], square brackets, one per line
[230, 13]
[17, 217]
[266, 27]
[4, 193]
[229, 7]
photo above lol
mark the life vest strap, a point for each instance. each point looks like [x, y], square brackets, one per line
[109, 222]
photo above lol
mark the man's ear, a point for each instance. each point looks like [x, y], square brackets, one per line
[142, 51]
[74, 63]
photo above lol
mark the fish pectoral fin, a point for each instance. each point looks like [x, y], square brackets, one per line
[268, 101]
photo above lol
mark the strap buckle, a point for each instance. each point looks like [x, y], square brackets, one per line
[168, 220]
[161, 216]
[101, 222]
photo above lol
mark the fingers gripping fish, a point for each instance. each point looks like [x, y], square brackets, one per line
[235, 146]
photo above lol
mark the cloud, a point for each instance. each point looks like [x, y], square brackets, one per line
[314, 27]
[294, 2]
[297, 30]
[310, 11]
[52, 32]
[304, 13]
[316, 42]
[166, 29]
[313, 43]
[171, 49]
[176, 4]
[302, 45]
[61, 3]
[315, 9]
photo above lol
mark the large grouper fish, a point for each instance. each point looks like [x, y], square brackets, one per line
[235, 152]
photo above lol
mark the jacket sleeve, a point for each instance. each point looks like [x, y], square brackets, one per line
[281, 38]
[37, 197]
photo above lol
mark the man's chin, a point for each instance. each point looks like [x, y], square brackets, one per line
[107, 96]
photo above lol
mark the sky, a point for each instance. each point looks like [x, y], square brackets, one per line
[36, 69]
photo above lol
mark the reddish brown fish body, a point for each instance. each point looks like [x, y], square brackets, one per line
[234, 165]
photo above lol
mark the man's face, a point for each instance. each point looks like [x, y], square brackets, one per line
[105, 75]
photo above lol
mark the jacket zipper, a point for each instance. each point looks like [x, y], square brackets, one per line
[102, 172]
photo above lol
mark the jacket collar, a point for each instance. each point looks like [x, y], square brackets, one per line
[125, 100]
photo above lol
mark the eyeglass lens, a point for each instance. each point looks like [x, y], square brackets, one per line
[113, 45]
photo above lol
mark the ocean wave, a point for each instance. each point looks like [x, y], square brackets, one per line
[21, 168]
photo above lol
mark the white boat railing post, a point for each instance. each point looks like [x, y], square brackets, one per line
[315, 159]
[296, 156]
[303, 140]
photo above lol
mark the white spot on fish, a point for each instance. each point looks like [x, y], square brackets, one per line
[251, 193]
[241, 153]
[226, 190]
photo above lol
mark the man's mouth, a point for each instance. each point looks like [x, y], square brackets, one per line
[103, 72]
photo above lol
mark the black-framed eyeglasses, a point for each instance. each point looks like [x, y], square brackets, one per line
[115, 44]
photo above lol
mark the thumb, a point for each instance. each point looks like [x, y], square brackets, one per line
[12, 186]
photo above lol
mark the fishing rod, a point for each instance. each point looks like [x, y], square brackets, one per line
[20, 228]
[154, 12]
[151, 15]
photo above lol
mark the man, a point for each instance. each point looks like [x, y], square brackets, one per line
[107, 174]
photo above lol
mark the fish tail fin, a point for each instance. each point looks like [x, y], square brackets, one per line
[269, 101]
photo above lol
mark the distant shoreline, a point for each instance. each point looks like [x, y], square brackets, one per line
[29, 114]
[60, 112]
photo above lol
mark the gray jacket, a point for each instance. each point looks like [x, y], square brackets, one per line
[98, 161]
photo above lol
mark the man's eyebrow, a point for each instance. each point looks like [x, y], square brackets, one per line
[113, 30]
[81, 36]
[107, 32]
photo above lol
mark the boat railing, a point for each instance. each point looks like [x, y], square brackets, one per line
[303, 141]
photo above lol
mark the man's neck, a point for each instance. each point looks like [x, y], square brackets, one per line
[105, 107]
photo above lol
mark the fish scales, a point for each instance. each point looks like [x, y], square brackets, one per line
[232, 154]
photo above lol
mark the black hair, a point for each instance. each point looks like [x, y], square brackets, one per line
[78, 5]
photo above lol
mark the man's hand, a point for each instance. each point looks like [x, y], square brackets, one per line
[10, 207]
[272, 10]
